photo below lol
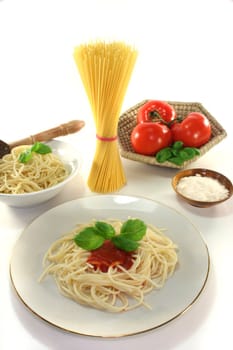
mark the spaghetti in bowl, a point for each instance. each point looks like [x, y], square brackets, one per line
[26, 186]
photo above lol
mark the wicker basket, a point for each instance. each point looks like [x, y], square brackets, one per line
[127, 122]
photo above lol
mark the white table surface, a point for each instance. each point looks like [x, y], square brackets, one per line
[185, 54]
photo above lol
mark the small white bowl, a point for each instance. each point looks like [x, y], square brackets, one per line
[71, 160]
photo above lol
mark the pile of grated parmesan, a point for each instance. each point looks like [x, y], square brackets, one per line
[202, 188]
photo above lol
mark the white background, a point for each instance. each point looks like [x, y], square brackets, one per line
[185, 54]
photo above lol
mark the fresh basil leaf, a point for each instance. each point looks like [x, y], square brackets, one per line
[177, 145]
[25, 156]
[131, 236]
[187, 153]
[88, 239]
[104, 229]
[35, 146]
[176, 160]
[175, 152]
[163, 155]
[41, 148]
[197, 151]
[134, 228]
[123, 243]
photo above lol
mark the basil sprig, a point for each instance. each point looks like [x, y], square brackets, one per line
[37, 147]
[93, 237]
[177, 153]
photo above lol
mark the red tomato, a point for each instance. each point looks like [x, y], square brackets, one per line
[193, 131]
[149, 138]
[154, 110]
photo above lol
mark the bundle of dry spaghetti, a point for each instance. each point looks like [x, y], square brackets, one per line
[105, 70]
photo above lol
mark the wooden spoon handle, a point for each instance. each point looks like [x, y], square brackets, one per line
[61, 130]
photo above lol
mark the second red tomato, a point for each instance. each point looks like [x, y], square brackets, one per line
[193, 131]
[149, 138]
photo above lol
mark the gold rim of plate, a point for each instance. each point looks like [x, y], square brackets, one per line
[127, 122]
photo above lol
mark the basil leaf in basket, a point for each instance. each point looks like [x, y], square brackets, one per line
[176, 160]
[176, 153]
[187, 154]
[163, 155]
[177, 145]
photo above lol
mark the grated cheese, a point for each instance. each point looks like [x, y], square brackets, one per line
[202, 188]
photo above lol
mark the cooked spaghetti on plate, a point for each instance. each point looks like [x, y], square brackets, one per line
[111, 265]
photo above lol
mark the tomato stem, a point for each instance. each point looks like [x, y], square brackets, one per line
[155, 116]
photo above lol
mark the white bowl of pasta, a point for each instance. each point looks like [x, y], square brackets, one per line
[29, 182]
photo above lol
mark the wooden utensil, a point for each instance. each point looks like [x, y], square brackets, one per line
[61, 130]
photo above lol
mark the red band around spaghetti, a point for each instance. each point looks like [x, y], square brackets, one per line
[107, 139]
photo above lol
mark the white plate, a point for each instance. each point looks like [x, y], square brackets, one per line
[44, 300]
